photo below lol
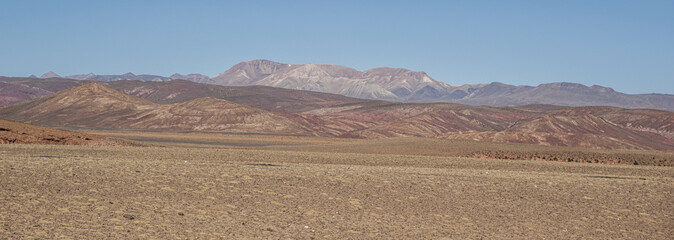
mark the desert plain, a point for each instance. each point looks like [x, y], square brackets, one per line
[263, 187]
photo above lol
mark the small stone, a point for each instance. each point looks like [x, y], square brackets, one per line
[129, 216]
[181, 214]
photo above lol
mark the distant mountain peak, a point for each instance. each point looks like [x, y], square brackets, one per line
[563, 85]
[391, 71]
[87, 76]
[246, 73]
[379, 83]
[50, 74]
[602, 88]
[194, 77]
[262, 61]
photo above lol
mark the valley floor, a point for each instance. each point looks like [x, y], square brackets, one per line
[96, 192]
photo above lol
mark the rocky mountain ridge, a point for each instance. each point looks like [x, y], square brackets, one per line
[395, 84]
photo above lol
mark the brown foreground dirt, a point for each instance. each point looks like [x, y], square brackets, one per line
[491, 150]
[21, 133]
[92, 192]
[402, 146]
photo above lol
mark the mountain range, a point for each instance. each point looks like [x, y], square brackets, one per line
[403, 85]
[186, 105]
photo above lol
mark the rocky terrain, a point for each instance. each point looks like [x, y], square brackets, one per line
[58, 192]
[21, 133]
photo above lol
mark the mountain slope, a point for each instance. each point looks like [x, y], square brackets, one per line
[381, 83]
[248, 73]
[262, 97]
[93, 105]
[582, 127]
[11, 93]
[599, 127]
[15, 90]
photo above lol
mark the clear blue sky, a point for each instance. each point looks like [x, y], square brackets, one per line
[626, 45]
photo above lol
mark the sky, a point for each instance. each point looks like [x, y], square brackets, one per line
[625, 45]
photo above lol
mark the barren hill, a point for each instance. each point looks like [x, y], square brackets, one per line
[93, 105]
[267, 98]
[597, 127]
[585, 127]
[11, 93]
[15, 90]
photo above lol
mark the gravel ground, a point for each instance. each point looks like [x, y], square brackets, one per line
[50, 192]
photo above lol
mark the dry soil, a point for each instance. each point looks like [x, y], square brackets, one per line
[96, 192]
